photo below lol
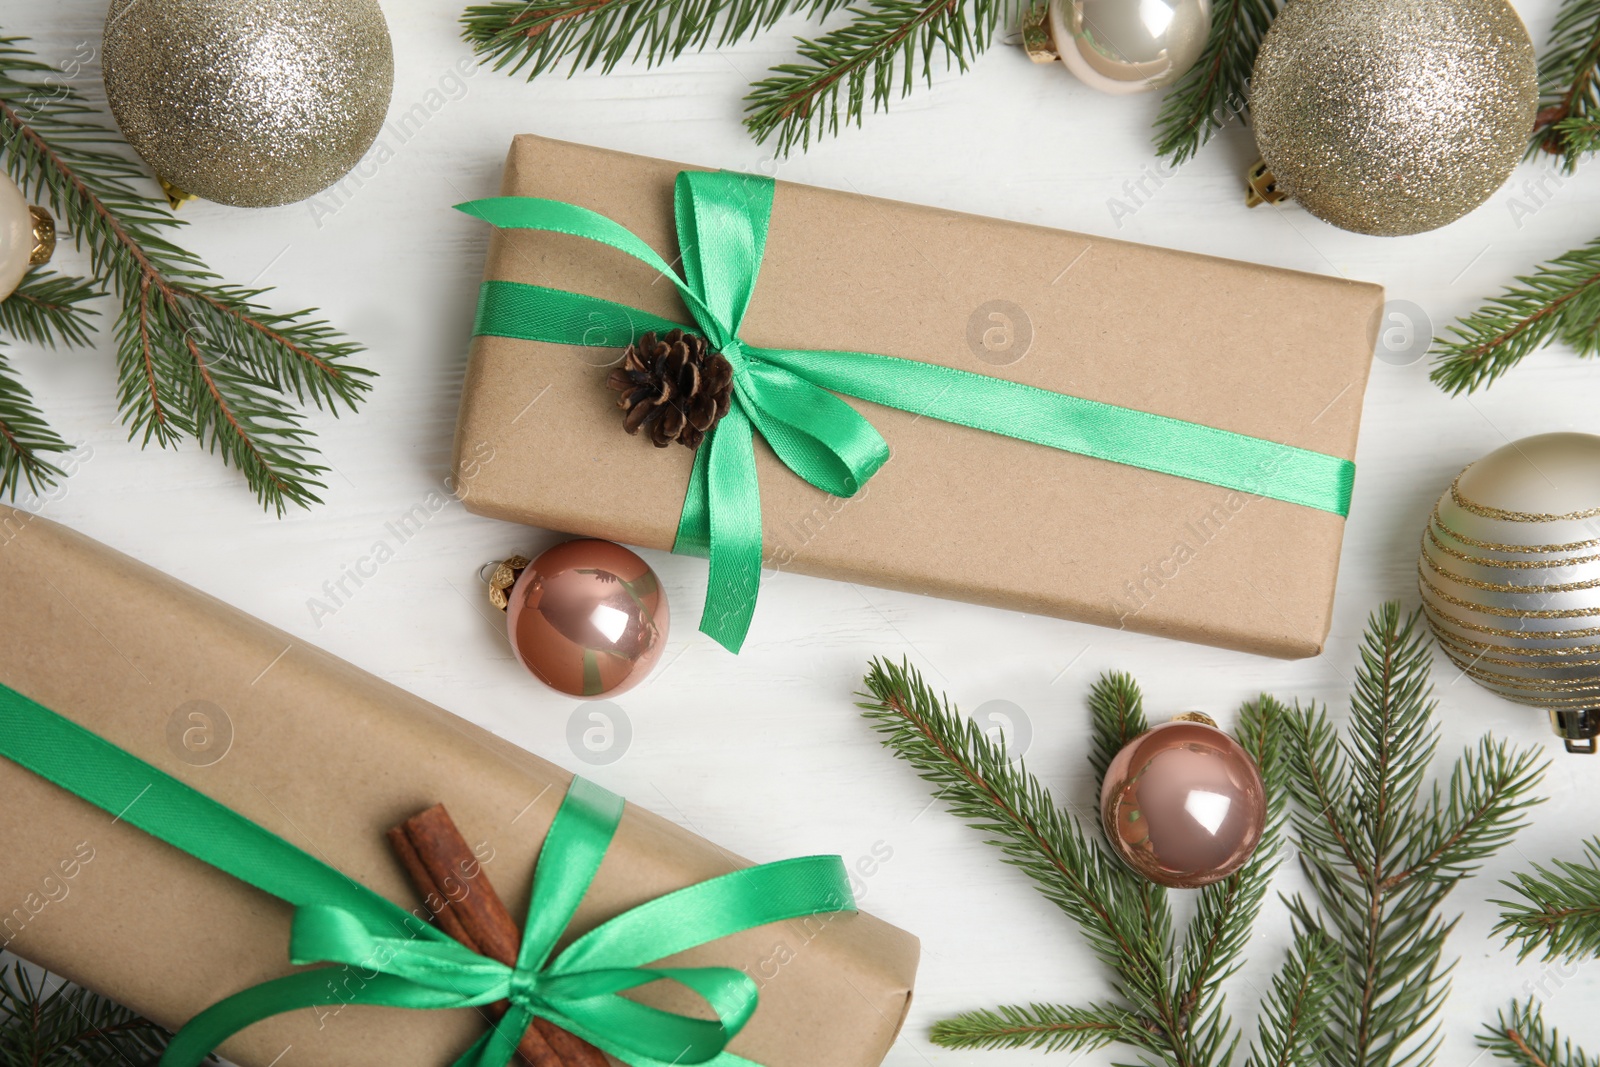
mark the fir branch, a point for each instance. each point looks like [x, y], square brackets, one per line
[1521, 1039]
[1559, 301]
[1214, 943]
[538, 35]
[45, 309]
[1116, 716]
[1212, 92]
[25, 439]
[66, 1026]
[1173, 1008]
[1116, 708]
[889, 44]
[1569, 84]
[1044, 1027]
[1382, 855]
[1365, 979]
[1559, 913]
[48, 309]
[196, 357]
[1580, 135]
[983, 788]
[1294, 1014]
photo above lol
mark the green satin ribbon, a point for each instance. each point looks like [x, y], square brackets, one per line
[387, 956]
[787, 395]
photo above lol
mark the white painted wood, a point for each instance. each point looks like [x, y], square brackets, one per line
[764, 752]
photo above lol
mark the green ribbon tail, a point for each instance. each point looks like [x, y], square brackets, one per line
[733, 514]
[1087, 427]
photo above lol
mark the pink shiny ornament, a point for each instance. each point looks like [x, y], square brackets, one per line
[588, 618]
[1183, 804]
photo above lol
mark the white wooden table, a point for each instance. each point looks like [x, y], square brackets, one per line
[764, 752]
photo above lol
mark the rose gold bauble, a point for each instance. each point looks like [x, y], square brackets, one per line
[588, 618]
[1183, 804]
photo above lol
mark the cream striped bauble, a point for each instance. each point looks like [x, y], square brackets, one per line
[1510, 577]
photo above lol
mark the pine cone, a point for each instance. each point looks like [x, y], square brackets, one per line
[672, 386]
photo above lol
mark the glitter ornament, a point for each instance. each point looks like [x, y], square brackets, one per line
[1510, 578]
[588, 617]
[27, 236]
[1128, 46]
[1392, 117]
[1183, 803]
[253, 103]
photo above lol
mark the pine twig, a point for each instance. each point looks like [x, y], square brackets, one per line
[48, 309]
[1294, 1013]
[1559, 301]
[1212, 92]
[1365, 979]
[1579, 136]
[1559, 913]
[1213, 946]
[45, 309]
[1117, 709]
[196, 357]
[1569, 85]
[538, 35]
[25, 439]
[889, 44]
[1521, 1039]
[1172, 1002]
[1044, 1027]
[67, 1026]
[1382, 853]
[982, 787]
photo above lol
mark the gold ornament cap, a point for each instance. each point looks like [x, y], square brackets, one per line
[44, 236]
[1261, 187]
[176, 197]
[1197, 716]
[1037, 40]
[503, 577]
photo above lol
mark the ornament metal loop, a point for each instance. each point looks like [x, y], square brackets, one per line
[1579, 729]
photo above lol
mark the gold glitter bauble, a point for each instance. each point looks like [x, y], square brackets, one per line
[1391, 117]
[1510, 577]
[253, 103]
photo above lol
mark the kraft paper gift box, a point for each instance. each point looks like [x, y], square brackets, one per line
[956, 512]
[327, 757]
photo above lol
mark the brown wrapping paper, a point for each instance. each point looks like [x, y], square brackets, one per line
[956, 512]
[328, 757]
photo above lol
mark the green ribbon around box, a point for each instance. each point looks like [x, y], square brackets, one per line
[406, 963]
[788, 395]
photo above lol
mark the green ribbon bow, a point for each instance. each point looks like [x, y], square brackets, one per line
[788, 395]
[387, 956]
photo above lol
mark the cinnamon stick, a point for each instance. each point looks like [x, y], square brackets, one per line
[456, 891]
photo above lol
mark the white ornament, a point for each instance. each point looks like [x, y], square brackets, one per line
[27, 236]
[1129, 46]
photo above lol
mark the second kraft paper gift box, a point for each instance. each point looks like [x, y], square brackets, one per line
[328, 757]
[957, 512]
